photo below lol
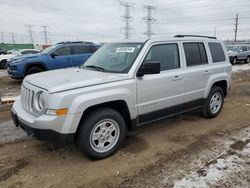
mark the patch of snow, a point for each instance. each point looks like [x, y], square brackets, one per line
[220, 169]
[240, 68]
[9, 133]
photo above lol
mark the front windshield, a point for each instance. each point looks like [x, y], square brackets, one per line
[232, 48]
[49, 49]
[114, 57]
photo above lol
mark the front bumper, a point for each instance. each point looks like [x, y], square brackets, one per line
[44, 132]
[14, 74]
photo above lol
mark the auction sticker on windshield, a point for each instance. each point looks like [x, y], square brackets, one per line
[125, 50]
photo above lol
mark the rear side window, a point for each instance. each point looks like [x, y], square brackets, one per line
[217, 52]
[244, 48]
[166, 54]
[82, 49]
[195, 53]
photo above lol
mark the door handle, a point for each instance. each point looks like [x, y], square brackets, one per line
[207, 72]
[176, 78]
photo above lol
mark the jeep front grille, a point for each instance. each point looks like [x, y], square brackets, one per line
[27, 98]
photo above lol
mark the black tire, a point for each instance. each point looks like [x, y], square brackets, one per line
[248, 59]
[3, 64]
[234, 61]
[87, 126]
[206, 109]
[33, 70]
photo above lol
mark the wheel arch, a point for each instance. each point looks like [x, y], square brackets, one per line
[118, 105]
[36, 64]
[223, 84]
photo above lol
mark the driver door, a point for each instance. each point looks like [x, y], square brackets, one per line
[60, 58]
[159, 95]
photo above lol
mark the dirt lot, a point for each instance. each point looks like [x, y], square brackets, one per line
[182, 151]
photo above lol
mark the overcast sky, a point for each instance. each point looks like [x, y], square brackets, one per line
[99, 20]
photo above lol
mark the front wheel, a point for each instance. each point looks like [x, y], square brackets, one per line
[213, 103]
[101, 133]
[33, 70]
[248, 59]
[234, 61]
[3, 64]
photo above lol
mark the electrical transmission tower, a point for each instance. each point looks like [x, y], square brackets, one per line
[30, 32]
[2, 37]
[149, 19]
[45, 33]
[12, 36]
[127, 18]
[236, 27]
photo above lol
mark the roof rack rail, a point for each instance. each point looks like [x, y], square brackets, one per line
[209, 37]
[75, 42]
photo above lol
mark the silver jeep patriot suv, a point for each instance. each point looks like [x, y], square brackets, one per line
[124, 85]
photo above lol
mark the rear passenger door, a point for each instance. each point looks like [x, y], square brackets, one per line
[197, 72]
[159, 95]
[80, 53]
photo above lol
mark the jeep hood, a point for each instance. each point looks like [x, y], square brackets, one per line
[25, 56]
[72, 78]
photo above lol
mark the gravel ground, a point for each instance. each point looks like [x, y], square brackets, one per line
[183, 151]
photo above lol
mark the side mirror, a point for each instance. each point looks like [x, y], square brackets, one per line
[150, 67]
[53, 55]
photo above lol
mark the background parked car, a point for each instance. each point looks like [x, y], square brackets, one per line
[15, 53]
[2, 51]
[238, 53]
[60, 55]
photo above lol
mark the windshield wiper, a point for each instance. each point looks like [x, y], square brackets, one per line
[95, 67]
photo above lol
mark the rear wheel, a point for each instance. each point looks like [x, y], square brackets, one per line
[33, 70]
[248, 59]
[214, 103]
[101, 133]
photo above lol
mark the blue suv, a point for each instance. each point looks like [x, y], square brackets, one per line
[60, 55]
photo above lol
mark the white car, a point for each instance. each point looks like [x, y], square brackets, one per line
[124, 85]
[13, 53]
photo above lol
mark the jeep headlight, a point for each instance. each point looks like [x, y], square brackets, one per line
[40, 102]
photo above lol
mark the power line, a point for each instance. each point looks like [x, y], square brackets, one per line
[45, 33]
[236, 27]
[30, 33]
[127, 18]
[12, 36]
[149, 20]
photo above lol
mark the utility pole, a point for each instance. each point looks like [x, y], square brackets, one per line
[149, 19]
[12, 36]
[127, 18]
[236, 27]
[45, 33]
[30, 33]
[2, 37]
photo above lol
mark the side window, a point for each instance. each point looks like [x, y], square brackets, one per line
[166, 54]
[65, 50]
[81, 49]
[195, 53]
[244, 48]
[217, 52]
[25, 52]
[29, 52]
